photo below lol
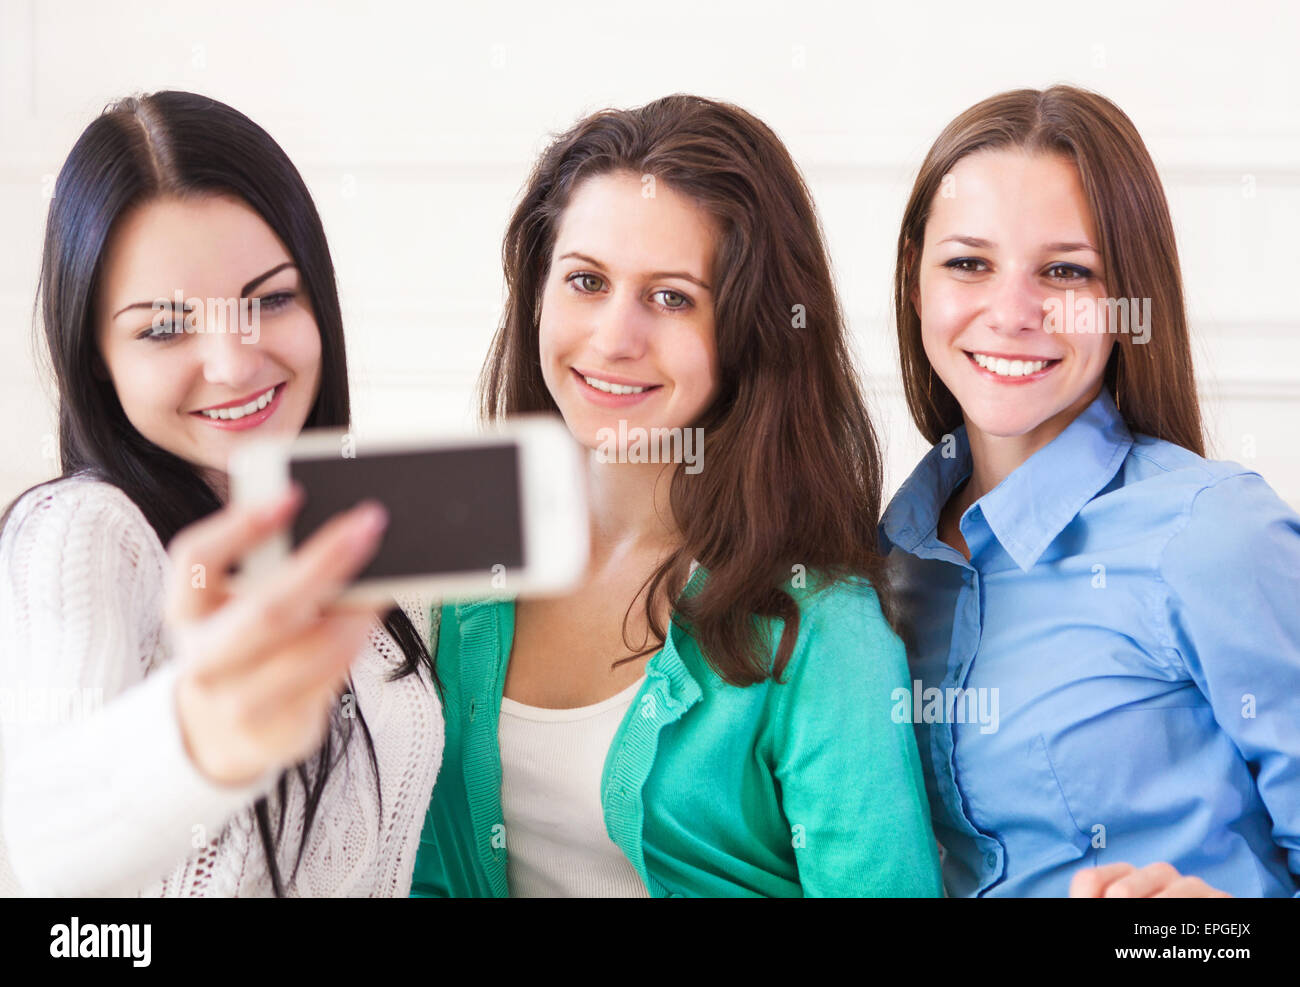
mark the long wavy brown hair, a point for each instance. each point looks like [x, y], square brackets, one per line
[794, 472]
[1152, 382]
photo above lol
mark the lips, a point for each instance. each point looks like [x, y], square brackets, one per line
[609, 378]
[1011, 368]
[243, 413]
[238, 402]
[612, 391]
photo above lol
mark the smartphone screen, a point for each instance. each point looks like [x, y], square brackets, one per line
[455, 510]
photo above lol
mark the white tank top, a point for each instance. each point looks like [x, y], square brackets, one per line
[551, 763]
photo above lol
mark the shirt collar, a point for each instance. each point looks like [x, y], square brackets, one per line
[1028, 509]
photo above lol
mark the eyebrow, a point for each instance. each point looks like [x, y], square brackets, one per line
[653, 276]
[1064, 247]
[251, 286]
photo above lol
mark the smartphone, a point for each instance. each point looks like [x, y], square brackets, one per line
[489, 514]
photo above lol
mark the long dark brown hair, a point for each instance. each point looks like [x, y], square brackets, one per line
[183, 144]
[793, 474]
[1152, 382]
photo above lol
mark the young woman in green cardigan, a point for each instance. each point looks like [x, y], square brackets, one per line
[712, 711]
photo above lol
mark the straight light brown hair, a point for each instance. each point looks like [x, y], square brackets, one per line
[1152, 382]
[794, 472]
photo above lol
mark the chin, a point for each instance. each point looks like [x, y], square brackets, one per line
[1006, 424]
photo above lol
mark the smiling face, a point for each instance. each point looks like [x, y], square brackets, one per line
[627, 323]
[1016, 233]
[200, 393]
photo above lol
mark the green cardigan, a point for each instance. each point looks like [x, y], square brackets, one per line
[807, 787]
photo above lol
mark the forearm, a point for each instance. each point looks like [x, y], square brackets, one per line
[110, 803]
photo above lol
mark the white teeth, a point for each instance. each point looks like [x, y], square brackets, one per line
[239, 411]
[1009, 368]
[607, 387]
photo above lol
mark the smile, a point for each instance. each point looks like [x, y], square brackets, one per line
[1012, 369]
[245, 413]
[618, 392]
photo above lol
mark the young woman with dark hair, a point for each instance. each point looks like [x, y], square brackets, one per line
[1066, 554]
[709, 713]
[190, 742]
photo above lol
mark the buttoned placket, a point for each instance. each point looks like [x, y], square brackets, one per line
[968, 625]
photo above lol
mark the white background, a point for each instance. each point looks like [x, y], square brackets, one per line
[415, 125]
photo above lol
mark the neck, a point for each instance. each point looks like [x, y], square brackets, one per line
[995, 457]
[630, 510]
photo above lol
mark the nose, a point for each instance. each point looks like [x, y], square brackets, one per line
[620, 327]
[230, 359]
[1016, 304]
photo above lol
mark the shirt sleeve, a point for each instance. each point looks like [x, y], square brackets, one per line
[1234, 578]
[851, 783]
[100, 796]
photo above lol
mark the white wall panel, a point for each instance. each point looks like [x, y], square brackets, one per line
[415, 126]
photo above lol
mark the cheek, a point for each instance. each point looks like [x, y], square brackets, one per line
[560, 337]
[303, 346]
[151, 387]
[296, 346]
[1092, 351]
[692, 360]
[944, 309]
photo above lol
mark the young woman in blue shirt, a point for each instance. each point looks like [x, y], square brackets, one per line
[1065, 553]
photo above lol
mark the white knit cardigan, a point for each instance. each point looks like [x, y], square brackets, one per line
[97, 793]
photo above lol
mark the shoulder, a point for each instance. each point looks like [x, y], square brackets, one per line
[79, 512]
[1219, 505]
[824, 598]
[842, 627]
[1172, 466]
[1232, 522]
[82, 574]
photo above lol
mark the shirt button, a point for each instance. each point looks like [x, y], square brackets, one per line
[991, 859]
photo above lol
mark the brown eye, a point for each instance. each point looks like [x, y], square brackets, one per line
[1068, 272]
[589, 282]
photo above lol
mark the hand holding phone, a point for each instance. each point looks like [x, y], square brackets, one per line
[261, 670]
[495, 513]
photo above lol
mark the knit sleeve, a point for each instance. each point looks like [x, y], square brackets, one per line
[99, 794]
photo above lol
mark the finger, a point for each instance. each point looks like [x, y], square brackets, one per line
[1191, 887]
[201, 553]
[1143, 883]
[318, 660]
[1092, 881]
[323, 566]
[255, 624]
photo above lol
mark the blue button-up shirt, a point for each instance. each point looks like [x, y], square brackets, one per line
[1114, 675]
